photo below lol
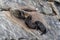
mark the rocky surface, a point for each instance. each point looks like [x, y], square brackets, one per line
[57, 1]
[11, 30]
[57, 5]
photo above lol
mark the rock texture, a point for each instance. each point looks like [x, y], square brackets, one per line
[14, 28]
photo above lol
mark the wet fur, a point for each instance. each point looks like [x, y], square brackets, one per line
[28, 22]
[40, 27]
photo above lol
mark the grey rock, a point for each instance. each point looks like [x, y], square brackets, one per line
[10, 30]
[43, 7]
[46, 8]
[58, 6]
[58, 1]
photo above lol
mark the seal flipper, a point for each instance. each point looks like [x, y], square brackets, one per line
[43, 32]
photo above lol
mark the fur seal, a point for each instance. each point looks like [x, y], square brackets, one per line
[28, 21]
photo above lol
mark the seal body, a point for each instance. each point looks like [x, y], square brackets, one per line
[18, 13]
[40, 27]
[29, 10]
[28, 22]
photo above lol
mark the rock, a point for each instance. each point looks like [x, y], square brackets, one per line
[11, 27]
[54, 9]
[42, 7]
[57, 1]
[51, 0]
[46, 9]
[58, 6]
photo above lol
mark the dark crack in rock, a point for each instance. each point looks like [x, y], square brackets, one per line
[57, 5]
